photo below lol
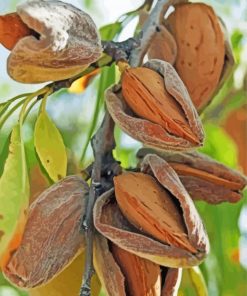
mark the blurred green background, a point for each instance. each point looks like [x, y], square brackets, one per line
[78, 113]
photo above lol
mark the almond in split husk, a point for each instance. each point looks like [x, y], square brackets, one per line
[203, 177]
[107, 269]
[144, 91]
[191, 243]
[142, 277]
[151, 208]
[164, 114]
[203, 51]
[51, 238]
[68, 41]
[124, 274]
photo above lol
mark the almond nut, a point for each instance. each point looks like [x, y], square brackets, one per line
[142, 277]
[203, 177]
[201, 49]
[145, 93]
[151, 209]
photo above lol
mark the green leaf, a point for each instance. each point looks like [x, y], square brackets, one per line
[4, 152]
[3, 107]
[14, 193]
[108, 32]
[220, 145]
[197, 280]
[107, 78]
[50, 147]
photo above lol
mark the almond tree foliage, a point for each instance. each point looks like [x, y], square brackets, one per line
[61, 154]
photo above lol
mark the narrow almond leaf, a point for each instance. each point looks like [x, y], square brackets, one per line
[50, 147]
[3, 107]
[198, 281]
[14, 195]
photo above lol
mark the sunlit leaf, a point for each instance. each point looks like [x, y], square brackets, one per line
[197, 280]
[3, 107]
[8, 291]
[107, 78]
[81, 84]
[14, 196]
[50, 147]
[236, 40]
[4, 153]
[219, 145]
[108, 32]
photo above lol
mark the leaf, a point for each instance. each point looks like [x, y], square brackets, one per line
[4, 152]
[14, 196]
[50, 147]
[108, 32]
[197, 279]
[3, 107]
[107, 77]
[219, 145]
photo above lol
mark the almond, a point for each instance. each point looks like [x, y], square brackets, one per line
[185, 170]
[12, 29]
[152, 209]
[203, 177]
[201, 49]
[145, 93]
[142, 277]
[52, 237]
[163, 46]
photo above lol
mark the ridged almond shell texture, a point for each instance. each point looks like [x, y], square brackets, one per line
[144, 91]
[151, 208]
[107, 269]
[69, 41]
[169, 118]
[203, 177]
[111, 222]
[201, 49]
[51, 238]
[142, 277]
[125, 274]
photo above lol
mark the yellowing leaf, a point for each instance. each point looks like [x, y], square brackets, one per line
[68, 282]
[79, 85]
[14, 195]
[198, 281]
[50, 147]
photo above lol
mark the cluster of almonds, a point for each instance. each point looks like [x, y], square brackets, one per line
[148, 226]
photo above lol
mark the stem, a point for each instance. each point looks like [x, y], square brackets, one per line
[9, 102]
[30, 108]
[104, 61]
[150, 28]
[92, 127]
[102, 143]
[41, 91]
[10, 112]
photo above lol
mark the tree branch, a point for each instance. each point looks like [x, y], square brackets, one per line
[103, 141]
[102, 144]
[150, 29]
